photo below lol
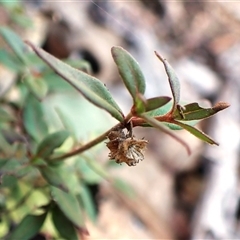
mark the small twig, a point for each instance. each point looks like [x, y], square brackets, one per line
[93, 142]
[86, 146]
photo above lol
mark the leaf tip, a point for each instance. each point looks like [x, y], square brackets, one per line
[214, 143]
[28, 43]
[159, 56]
[221, 105]
[114, 49]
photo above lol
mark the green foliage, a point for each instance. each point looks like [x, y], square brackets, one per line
[34, 141]
[69, 205]
[33, 118]
[91, 88]
[173, 81]
[50, 143]
[63, 225]
[28, 227]
[130, 72]
[15, 43]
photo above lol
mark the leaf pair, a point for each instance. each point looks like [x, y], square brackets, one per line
[134, 81]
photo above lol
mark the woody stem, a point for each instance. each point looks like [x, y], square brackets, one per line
[94, 141]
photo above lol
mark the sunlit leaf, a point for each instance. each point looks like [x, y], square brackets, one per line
[91, 88]
[63, 225]
[193, 111]
[9, 60]
[197, 133]
[80, 64]
[28, 227]
[54, 176]
[15, 43]
[173, 81]
[50, 143]
[37, 86]
[33, 117]
[69, 205]
[130, 71]
[66, 123]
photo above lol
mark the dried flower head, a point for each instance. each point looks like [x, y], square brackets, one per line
[125, 148]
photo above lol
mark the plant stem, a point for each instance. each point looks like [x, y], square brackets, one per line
[86, 146]
[94, 141]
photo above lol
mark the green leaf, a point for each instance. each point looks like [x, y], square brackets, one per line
[15, 42]
[15, 168]
[193, 111]
[197, 133]
[64, 118]
[5, 147]
[91, 171]
[173, 81]
[54, 176]
[20, 151]
[50, 143]
[130, 71]
[28, 227]
[88, 173]
[139, 105]
[6, 116]
[156, 102]
[33, 117]
[10, 61]
[162, 111]
[159, 125]
[10, 166]
[8, 181]
[63, 225]
[91, 88]
[2, 162]
[87, 202]
[69, 205]
[37, 86]
[80, 64]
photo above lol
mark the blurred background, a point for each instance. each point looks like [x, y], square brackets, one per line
[178, 196]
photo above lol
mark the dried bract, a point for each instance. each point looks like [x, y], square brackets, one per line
[125, 148]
